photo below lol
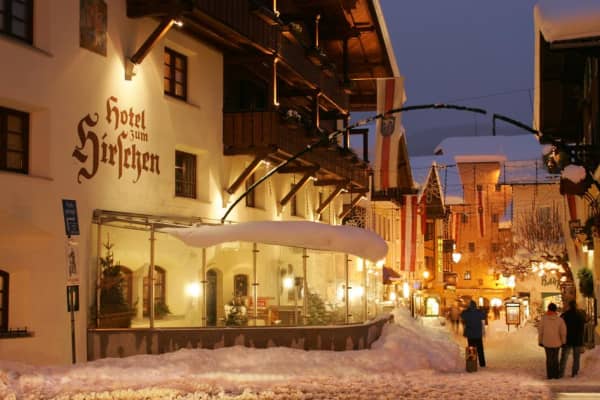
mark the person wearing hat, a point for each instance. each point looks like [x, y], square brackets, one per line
[473, 320]
[552, 334]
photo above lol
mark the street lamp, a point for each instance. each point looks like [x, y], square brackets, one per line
[456, 256]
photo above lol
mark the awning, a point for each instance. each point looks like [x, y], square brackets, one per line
[302, 234]
[389, 275]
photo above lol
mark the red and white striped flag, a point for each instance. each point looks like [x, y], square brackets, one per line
[408, 231]
[390, 95]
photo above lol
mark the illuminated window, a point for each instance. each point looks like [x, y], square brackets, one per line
[14, 140]
[467, 275]
[16, 19]
[3, 300]
[185, 174]
[175, 75]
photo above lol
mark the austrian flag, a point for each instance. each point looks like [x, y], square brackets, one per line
[390, 95]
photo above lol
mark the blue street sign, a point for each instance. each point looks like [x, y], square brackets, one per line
[70, 214]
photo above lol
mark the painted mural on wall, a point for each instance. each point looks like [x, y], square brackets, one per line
[115, 141]
[92, 25]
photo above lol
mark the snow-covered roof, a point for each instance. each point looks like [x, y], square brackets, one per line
[519, 155]
[567, 20]
[491, 148]
[303, 234]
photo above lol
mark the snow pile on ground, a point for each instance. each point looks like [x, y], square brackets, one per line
[414, 359]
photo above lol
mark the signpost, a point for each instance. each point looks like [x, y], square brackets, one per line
[70, 215]
[513, 314]
[72, 229]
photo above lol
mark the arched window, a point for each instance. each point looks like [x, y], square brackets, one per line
[159, 289]
[127, 285]
[3, 300]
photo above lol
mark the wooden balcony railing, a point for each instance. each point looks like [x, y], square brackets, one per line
[238, 16]
[266, 131]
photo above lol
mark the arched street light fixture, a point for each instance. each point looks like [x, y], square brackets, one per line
[326, 139]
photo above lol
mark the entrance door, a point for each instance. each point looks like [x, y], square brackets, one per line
[211, 297]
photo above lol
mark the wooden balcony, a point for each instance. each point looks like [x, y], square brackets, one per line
[266, 132]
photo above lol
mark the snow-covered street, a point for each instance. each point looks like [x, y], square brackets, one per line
[418, 359]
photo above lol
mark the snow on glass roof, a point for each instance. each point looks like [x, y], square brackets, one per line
[519, 155]
[567, 19]
[302, 234]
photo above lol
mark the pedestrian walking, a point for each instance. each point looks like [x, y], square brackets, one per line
[455, 316]
[552, 334]
[575, 322]
[473, 320]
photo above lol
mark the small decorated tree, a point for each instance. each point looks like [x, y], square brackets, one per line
[114, 310]
[317, 313]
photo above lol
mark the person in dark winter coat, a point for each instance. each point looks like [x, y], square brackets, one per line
[552, 334]
[473, 320]
[575, 321]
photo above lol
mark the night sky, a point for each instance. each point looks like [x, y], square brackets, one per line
[478, 53]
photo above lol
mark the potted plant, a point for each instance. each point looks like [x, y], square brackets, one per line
[114, 310]
[161, 309]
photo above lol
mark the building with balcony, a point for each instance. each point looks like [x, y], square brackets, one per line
[567, 115]
[121, 119]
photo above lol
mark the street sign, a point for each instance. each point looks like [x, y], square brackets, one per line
[70, 215]
[72, 256]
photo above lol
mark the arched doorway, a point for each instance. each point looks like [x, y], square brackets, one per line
[211, 297]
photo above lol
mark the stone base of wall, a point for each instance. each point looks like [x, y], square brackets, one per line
[102, 343]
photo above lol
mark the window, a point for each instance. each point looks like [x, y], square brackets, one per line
[464, 218]
[3, 300]
[479, 188]
[240, 285]
[472, 247]
[14, 140]
[175, 74]
[127, 286]
[16, 19]
[495, 218]
[251, 196]
[185, 174]
[467, 275]
[498, 187]
[429, 231]
[159, 290]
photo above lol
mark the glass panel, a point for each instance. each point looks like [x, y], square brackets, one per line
[179, 63]
[179, 90]
[167, 58]
[18, 28]
[179, 76]
[14, 160]
[15, 124]
[14, 141]
[18, 10]
[167, 71]
[167, 85]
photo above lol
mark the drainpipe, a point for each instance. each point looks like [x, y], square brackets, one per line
[151, 278]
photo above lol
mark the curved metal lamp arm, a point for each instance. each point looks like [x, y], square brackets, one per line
[326, 139]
